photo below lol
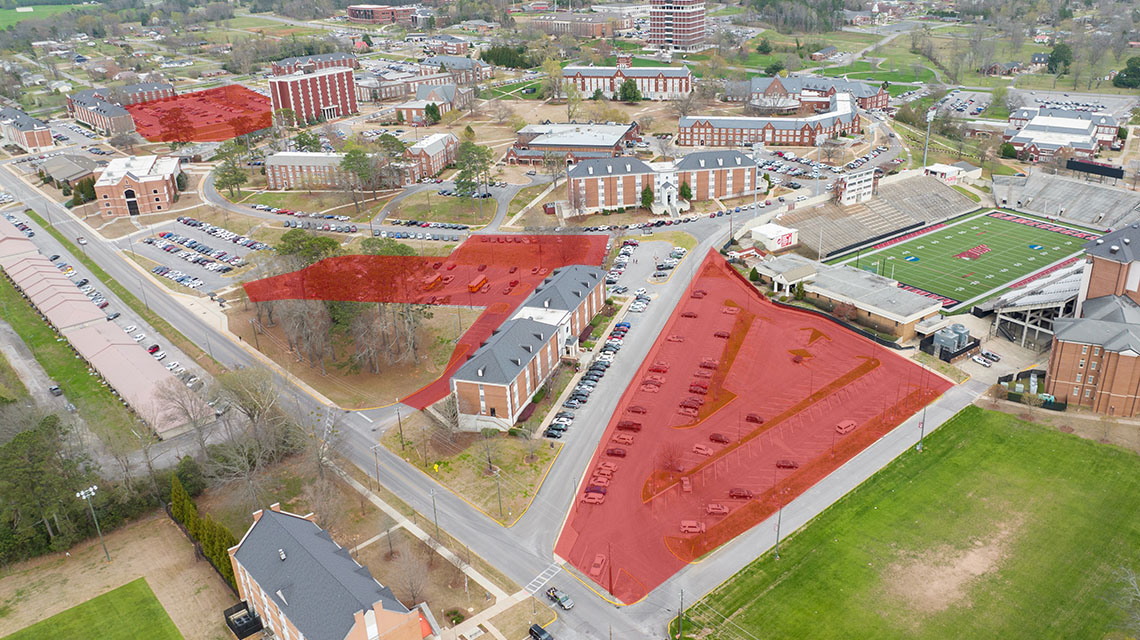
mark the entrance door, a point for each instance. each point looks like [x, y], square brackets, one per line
[132, 202]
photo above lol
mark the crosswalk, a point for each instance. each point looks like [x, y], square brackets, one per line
[541, 579]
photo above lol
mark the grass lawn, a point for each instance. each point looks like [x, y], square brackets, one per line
[515, 622]
[101, 410]
[318, 201]
[460, 464]
[1004, 251]
[1000, 529]
[11, 387]
[524, 196]
[9, 17]
[966, 192]
[676, 238]
[514, 91]
[432, 207]
[249, 22]
[121, 613]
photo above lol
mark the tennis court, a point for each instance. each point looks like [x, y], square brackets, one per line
[967, 260]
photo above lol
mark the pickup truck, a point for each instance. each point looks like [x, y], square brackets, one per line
[560, 598]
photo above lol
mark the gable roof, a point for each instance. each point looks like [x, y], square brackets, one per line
[628, 72]
[601, 167]
[1122, 245]
[318, 57]
[796, 84]
[1112, 336]
[436, 93]
[504, 355]
[20, 120]
[565, 288]
[317, 586]
[714, 160]
[453, 62]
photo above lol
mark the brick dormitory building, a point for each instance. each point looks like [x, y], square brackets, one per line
[380, 14]
[677, 25]
[317, 170]
[573, 142]
[137, 185]
[1095, 356]
[302, 585]
[654, 83]
[500, 378]
[29, 134]
[315, 95]
[102, 109]
[314, 62]
[841, 118]
[812, 93]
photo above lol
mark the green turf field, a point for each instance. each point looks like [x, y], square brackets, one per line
[972, 257]
[999, 529]
[9, 17]
[129, 612]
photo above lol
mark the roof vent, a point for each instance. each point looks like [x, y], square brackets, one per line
[528, 348]
[281, 552]
[517, 362]
[282, 596]
[1100, 241]
[479, 372]
[546, 303]
[720, 162]
[1114, 248]
[1127, 241]
[590, 170]
[609, 168]
[702, 161]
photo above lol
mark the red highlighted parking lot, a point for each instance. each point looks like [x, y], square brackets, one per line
[213, 115]
[740, 406]
[493, 271]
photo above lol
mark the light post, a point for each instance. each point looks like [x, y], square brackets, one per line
[435, 514]
[925, 145]
[400, 422]
[921, 430]
[376, 460]
[779, 521]
[87, 494]
[499, 490]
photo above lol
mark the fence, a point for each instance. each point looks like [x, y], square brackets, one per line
[198, 553]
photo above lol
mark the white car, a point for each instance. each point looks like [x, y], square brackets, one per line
[172, 366]
[161, 355]
[139, 337]
[982, 361]
[130, 328]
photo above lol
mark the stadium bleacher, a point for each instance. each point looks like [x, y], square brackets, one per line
[896, 206]
[1055, 196]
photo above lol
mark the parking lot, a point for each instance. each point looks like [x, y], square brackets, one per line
[1119, 106]
[203, 254]
[965, 104]
[67, 132]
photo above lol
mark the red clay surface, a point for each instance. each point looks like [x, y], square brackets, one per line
[523, 260]
[213, 115]
[799, 373]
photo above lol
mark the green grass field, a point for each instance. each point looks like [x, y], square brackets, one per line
[999, 529]
[931, 261]
[9, 17]
[131, 611]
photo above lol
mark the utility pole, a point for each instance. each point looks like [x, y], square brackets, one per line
[87, 494]
[925, 145]
[435, 514]
[400, 422]
[681, 617]
[376, 459]
[499, 490]
[779, 521]
[921, 430]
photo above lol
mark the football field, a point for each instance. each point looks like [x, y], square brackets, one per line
[969, 259]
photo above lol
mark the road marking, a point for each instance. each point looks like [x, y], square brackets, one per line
[541, 579]
[365, 417]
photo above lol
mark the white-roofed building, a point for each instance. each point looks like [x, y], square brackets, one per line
[575, 142]
[137, 185]
[1039, 134]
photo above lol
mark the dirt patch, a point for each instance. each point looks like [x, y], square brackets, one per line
[1122, 432]
[941, 578]
[154, 548]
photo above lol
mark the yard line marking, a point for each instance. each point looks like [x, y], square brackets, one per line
[541, 579]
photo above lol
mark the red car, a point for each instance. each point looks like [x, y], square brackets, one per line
[152, 348]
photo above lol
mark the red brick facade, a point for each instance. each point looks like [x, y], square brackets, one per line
[324, 95]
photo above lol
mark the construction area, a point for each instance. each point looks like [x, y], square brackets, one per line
[496, 272]
[740, 406]
[213, 115]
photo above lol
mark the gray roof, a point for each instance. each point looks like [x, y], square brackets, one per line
[442, 93]
[630, 72]
[965, 166]
[1100, 118]
[602, 167]
[68, 167]
[319, 57]
[90, 99]
[147, 86]
[713, 160]
[788, 263]
[1113, 336]
[1112, 309]
[873, 291]
[20, 120]
[446, 37]
[454, 62]
[565, 288]
[504, 355]
[796, 84]
[1122, 245]
[826, 50]
[318, 586]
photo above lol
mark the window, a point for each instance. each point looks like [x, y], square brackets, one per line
[1092, 366]
[1092, 379]
[1075, 392]
[1078, 378]
[1096, 351]
[1088, 393]
[160, 207]
[155, 191]
[1081, 364]
[1084, 349]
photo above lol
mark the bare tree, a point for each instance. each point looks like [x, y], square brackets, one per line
[252, 392]
[553, 164]
[669, 457]
[181, 404]
[321, 496]
[413, 574]
[685, 105]
[448, 415]
[573, 101]
[502, 111]
[1130, 599]
[240, 459]
[831, 149]
[489, 447]
[320, 432]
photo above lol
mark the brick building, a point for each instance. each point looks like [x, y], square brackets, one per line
[446, 44]
[433, 153]
[616, 183]
[446, 97]
[501, 377]
[315, 170]
[814, 92]
[28, 133]
[464, 70]
[1095, 357]
[137, 185]
[380, 14]
[1040, 133]
[314, 62]
[805, 131]
[102, 108]
[588, 25]
[316, 96]
[374, 89]
[677, 25]
[654, 83]
[574, 142]
[302, 584]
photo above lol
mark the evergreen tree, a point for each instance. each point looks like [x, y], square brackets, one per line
[177, 499]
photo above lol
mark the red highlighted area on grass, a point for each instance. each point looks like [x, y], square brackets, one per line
[493, 271]
[740, 406]
[213, 115]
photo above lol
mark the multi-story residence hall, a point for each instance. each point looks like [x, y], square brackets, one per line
[573, 142]
[617, 183]
[677, 25]
[1095, 357]
[304, 586]
[314, 62]
[500, 378]
[654, 83]
[812, 93]
[842, 117]
[315, 95]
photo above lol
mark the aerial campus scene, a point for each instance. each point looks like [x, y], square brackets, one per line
[682, 319]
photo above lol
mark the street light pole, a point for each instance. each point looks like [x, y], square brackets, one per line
[87, 494]
[779, 521]
[921, 429]
[400, 422]
[925, 145]
[435, 514]
[499, 490]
